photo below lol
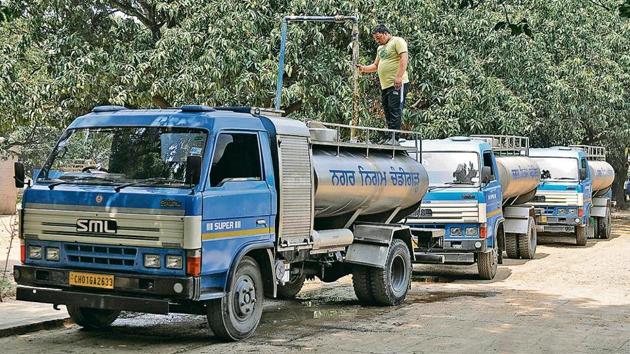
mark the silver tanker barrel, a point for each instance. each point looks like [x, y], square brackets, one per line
[518, 174]
[603, 175]
[519, 177]
[379, 184]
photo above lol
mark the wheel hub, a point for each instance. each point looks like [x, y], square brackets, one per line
[244, 297]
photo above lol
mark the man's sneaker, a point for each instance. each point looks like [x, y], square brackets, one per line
[391, 141]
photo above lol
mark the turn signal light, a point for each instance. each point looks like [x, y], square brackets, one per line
[193, 262]
[580, 212]
[22, 253]
[483, 231]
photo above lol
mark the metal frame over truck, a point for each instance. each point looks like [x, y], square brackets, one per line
[573, 197]
[207, 210]
[473, 209]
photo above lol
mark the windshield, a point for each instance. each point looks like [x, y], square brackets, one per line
[124, 155]
[451, 168]
[558, 168]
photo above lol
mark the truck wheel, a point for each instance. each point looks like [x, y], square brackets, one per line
[92, 318]
[291, 288]
[580, 235]
[361, 281]
[511, 245]
[237, 314]
[390, 285]
[487, 264]
[527, 243]
[603, 226]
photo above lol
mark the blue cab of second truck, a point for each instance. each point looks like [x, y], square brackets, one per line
[465, 209]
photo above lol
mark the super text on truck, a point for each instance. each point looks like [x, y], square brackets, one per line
[474, 208]
[574, 195]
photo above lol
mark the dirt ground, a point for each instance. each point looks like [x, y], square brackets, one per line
[569, 299]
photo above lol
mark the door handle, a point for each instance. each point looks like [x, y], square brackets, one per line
[261, 222]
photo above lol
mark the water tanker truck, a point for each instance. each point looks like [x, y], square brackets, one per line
[206, 211]
[474, 208]
[574, 195]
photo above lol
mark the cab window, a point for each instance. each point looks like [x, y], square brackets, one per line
[487, 161]
[236, 158]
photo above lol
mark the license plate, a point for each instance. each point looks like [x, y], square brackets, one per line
[102, 281]
[554, 228]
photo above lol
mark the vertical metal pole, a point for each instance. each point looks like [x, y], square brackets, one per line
[283, 43]
[355, 79]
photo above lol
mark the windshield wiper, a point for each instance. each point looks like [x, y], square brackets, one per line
[561, 179]
[149, 181]
[80, 179]
[460, 182]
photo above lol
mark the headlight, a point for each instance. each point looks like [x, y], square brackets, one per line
[52, 254]
[456, 231]
[152, 260]
[572, 211]
[34, 252]
[174, 262]
[471, 231]
[561, 211]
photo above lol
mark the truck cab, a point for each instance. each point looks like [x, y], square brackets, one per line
[460, 220]
[566, 202]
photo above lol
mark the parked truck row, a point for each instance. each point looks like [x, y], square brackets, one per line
[208, 210]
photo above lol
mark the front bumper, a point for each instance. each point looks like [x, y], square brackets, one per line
[557, 224]
[452, 252]
[132, 292]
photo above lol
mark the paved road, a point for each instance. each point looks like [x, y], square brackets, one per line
[569, 299]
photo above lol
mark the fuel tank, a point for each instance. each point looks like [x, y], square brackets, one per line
[375, 185]
[602, 175]
[519, 176]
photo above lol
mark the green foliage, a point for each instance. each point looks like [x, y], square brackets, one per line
[555, 71]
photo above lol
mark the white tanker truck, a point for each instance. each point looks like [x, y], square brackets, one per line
[474, 207]
[574, 196]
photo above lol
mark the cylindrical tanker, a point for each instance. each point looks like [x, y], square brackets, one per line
[519, 176]
[602, 175]
[373, 184]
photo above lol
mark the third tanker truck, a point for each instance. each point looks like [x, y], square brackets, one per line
[574, 196]
[475, 205]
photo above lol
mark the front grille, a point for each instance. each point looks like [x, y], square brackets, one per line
[446, 212]
[118, 257]
[555, 199]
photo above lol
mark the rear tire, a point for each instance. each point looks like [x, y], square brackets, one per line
[361, 282]
[390, 285]
[92, 318]
[290, 289]
[511, 245]
[237, 314]
[487, 264]
[527, 243]
[603, 226]
[580, 235]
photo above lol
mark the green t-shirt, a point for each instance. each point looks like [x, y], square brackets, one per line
[389, 60]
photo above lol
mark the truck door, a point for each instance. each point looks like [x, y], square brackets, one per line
[587, 187]
[493, 196]
[237, 202]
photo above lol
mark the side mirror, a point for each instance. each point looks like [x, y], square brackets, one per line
[193, 169]
[19, 176]
[486, 174]
[582, 173]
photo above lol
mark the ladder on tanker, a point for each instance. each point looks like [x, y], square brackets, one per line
[506, 145]
[593, 153]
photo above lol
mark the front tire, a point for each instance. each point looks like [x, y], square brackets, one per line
[487, 264]
[237, 314]
[580, 235]
[527, 243]
[390, 285]
[362, 284]
[92, 318]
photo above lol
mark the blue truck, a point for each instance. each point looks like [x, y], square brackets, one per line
[574, 195]
[207, 211]
[474, 208]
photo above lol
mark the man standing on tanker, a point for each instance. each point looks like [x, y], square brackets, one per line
[391, 64]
